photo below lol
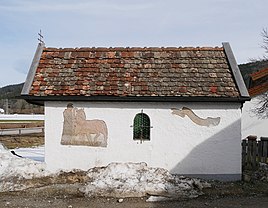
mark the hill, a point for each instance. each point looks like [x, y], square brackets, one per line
[10, 103]
[10, 91]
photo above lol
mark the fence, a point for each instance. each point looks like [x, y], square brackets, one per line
[24, 117]
[19, 131]
[253, 152]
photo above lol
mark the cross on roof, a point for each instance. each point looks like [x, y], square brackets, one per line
[41, 37]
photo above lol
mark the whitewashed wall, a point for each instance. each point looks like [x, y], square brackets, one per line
[251, 124]
[176, 144]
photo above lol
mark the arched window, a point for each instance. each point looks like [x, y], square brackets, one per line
[141, 127]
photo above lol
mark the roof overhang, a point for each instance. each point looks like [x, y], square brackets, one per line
[39, 100]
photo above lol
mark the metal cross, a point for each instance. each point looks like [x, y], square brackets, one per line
[41, 37]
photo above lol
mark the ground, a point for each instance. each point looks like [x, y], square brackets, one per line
[220, 195]
[19, 141]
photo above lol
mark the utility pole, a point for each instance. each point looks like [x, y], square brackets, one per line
[6, 106]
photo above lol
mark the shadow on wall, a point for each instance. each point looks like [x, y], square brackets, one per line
[219, 157]
[216, 153]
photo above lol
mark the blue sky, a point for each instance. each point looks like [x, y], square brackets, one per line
[109, 23]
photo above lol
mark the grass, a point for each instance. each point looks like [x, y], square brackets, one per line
[18, 141]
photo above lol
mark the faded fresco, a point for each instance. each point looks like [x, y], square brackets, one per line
[209, 121]
[79, 131]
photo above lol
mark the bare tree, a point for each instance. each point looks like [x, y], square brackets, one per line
[264, 45]
[261, 108]
[264, 34]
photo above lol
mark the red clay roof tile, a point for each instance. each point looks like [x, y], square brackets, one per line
[259, 74]
[134, 72]
[259, 89]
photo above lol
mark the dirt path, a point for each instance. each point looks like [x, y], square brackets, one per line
[221, 195]
[30, 200]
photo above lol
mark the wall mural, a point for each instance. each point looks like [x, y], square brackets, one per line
[79, 131]
[209, 121]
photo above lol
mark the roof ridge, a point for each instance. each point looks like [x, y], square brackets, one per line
[104, 49]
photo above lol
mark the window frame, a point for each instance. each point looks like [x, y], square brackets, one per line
[141, 127]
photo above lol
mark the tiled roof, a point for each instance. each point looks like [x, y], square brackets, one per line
[259, 74]
[187, 72]
[259, 89]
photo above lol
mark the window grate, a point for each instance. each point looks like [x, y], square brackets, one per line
[141, 127]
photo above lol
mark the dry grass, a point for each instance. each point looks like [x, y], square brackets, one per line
[25, 140]
[20, 124]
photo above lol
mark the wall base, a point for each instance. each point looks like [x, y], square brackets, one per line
[219, 177]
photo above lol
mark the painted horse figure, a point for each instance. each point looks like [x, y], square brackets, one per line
[91, 127]
[79, 131]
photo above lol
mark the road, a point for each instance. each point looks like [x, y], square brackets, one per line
[31, 199]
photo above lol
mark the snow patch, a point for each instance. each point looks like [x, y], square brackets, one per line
[137, 180]
[12, 167]
[115, 180]
[34, 153]
[158, 199]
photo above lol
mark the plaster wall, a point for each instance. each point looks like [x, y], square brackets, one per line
[251, 124]
[177, 144]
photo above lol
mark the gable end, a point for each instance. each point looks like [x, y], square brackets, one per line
[31, 74]
[236, 72]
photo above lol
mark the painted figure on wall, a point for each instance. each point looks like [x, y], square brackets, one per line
[209, 121]
[79, 131]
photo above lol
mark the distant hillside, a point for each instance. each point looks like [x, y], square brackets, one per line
[249, 68]
[10, 103]
[10, 91]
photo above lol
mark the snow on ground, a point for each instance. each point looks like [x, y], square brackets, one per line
[137, 180]
[35, 153]
[115, 180]
[251, 125]
[13, 167]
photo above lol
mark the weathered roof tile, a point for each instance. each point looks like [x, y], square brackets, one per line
[168, 71]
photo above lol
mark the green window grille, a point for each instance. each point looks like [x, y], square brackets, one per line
[141, 127]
